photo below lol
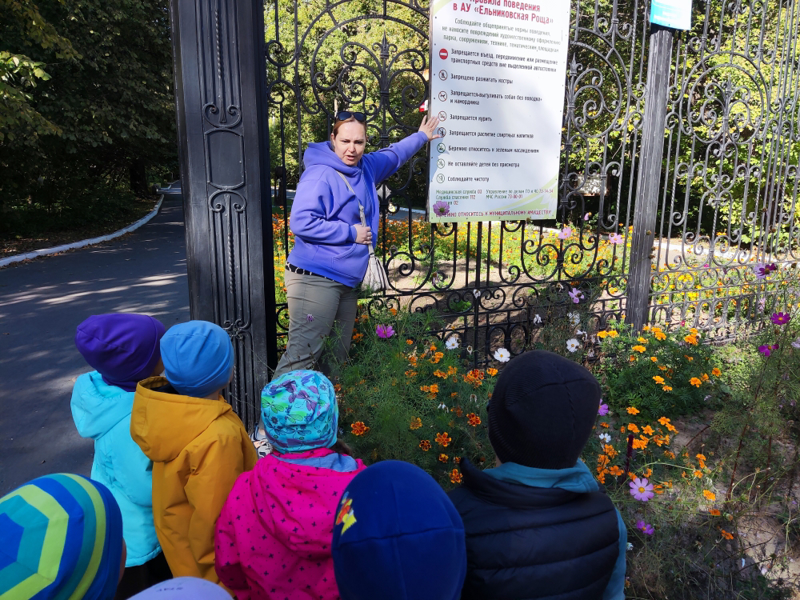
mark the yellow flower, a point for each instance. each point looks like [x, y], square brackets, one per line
[641, 340]
[660, 335]
[455, 476]
[711, 496]
[695, 382]
[491, 371]
[632, 411]
[443, 458]
[416, 423]
[691, 339]
[639, 349]
[602, 334]
[658, 379]
[612, 333]
[654, 359]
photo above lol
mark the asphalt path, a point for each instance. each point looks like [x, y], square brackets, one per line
[41, 304]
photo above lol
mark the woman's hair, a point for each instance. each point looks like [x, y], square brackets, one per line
[339, 123]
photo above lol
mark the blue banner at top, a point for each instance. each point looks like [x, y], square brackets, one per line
[676, 14]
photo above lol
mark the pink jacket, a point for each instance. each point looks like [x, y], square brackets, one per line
[274, 533]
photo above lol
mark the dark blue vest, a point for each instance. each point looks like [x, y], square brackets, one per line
[526, 542]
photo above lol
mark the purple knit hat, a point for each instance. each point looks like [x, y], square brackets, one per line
[123, 348]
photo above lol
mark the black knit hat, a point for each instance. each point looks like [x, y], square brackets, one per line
[542, 411]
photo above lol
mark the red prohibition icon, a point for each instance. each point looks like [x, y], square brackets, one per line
[443, 54]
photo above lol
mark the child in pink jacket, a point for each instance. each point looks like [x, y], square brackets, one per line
[274, 534]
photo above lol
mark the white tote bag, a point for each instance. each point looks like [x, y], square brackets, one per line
[375, 278]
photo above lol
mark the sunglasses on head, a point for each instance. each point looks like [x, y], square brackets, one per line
[343, 115]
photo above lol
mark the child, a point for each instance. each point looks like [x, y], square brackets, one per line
[538, 525]
[398, 537]
[198, 445]
[123, 349]
[60, 537]
[274, 533]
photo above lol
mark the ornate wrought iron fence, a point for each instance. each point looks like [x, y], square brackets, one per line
[732, 121]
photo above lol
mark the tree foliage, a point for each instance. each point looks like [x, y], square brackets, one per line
[87, 106]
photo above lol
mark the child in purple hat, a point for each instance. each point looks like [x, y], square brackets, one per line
[123, 349]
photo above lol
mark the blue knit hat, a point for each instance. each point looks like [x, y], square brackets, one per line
[300, 412]
[397, 536]
[198, 358]
[60, 537]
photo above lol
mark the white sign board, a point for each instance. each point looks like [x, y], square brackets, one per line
[498, 70]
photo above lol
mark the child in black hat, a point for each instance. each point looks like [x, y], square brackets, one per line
[538, 525]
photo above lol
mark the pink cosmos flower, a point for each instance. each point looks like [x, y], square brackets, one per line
[615, 238]
[576, 295]
[603, 410]
[645, 528]
[565, 233]
[384, 331]
[780, 318]
[641, 489]
[586, 216]
[767, 349]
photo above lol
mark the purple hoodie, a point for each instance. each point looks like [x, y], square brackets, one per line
[324, 213]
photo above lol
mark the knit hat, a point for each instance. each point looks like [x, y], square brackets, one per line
[183, 588]
[542, 411]
[300, 412]
[397, 536]
[60, 537]
[198, 358]
[122, 347]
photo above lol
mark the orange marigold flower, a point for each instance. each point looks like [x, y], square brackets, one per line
[667, 388]
[457, 459]
[410, 342]
[437, 357]
[689, 358]
[604, 425]
[633, 428]
[654, 359]
[358, 428]
[434, 388]
[698, 474]
[425, 445]
[455, 476]
[443, 439]
[663, 421]
[616, 471]
[440, 374]
[357, 336]
[425, 388]
[726, 535]
[459, 412]
[608, 449]
[714, 512]
[443, 457]
[647, 430]
[648, 472]
[632, 411]
[491, 371]
[662, 368]
[433, 348]
[695, 382]
[658, 379]
[416, 423]
[412, 360]
[660, 335]
[337, 387]
[602, 461]
[473, 419]
[631, 358]
[709, 495]
[704, 377]
[702, 458]
[669, 454]
[639, 349]
[453, 394]
[691, 339]
[640, 443]
[716, 372]
[410, 374]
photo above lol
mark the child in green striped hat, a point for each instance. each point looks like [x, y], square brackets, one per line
[60, 537]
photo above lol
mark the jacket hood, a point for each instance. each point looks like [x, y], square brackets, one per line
[97, 406]
[321, 154]
[300, 499]
[163, 424]
[577, 479]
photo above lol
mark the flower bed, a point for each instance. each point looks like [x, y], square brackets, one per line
[697, 445]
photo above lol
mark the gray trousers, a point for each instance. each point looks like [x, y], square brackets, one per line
[319, 309]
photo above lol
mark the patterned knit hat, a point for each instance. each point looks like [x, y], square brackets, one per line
[397, 536]
[542, 411]
[60, 537]
[300, 412]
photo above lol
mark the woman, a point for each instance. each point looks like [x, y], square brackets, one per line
[331, 251]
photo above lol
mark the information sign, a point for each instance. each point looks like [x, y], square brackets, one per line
[675, 14]
[498, 70]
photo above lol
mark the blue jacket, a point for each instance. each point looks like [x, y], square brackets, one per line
[103, 412]
[324, 213]
[549, 532]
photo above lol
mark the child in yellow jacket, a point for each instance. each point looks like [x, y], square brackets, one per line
[196, 442]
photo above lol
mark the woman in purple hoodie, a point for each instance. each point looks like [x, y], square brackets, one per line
[331, 250]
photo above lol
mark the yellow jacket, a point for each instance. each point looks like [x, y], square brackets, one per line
[198, 448]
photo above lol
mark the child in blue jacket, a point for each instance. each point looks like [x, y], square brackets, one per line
[124, 349]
